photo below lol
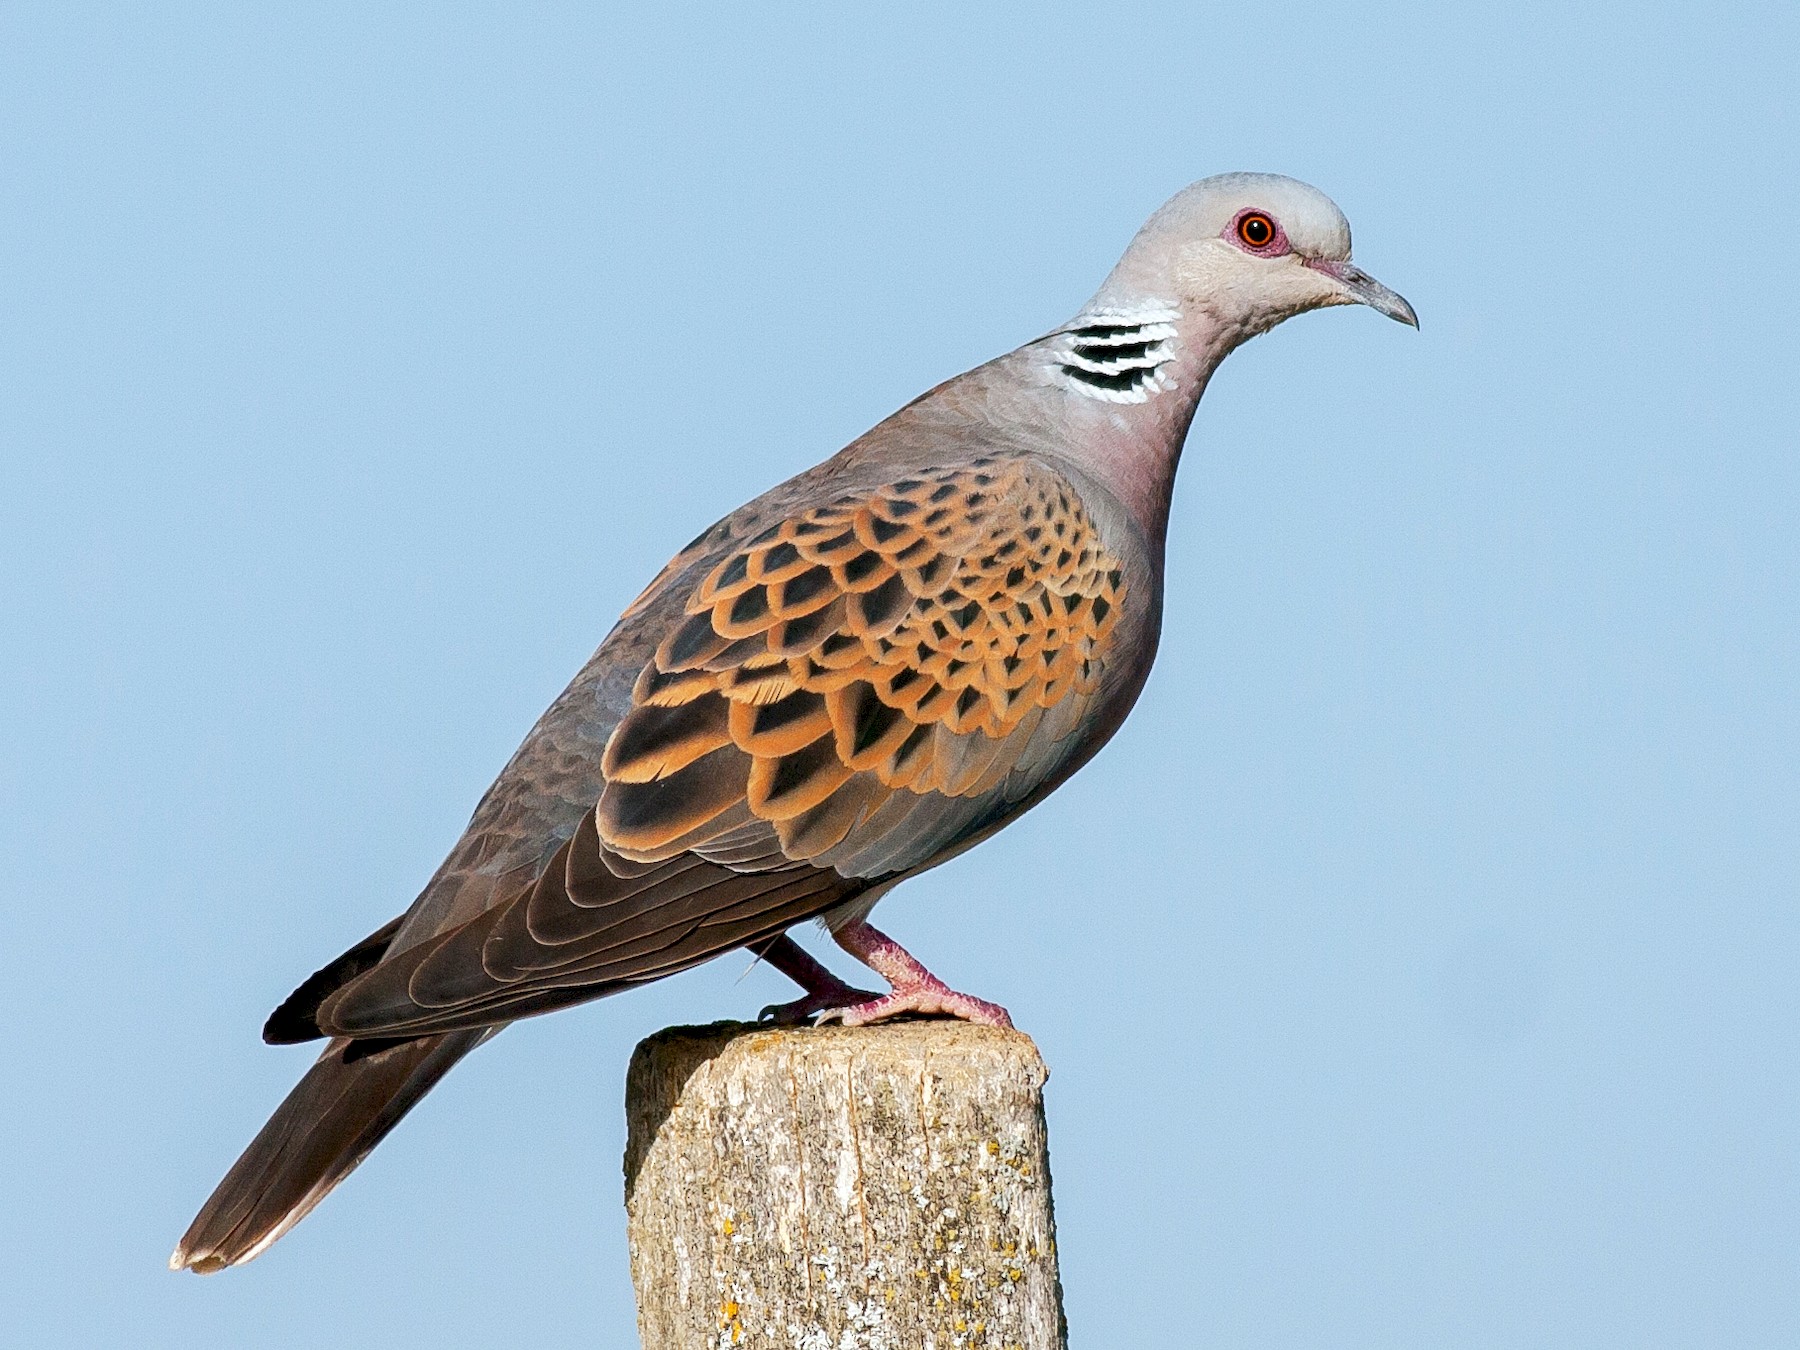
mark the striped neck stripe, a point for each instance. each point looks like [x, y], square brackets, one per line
[1117, 355]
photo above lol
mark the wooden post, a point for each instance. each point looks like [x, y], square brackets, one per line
[884, 1188]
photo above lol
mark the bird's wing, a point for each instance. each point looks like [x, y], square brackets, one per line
[845, 697]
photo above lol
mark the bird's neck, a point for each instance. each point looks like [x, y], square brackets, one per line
[1130, 376]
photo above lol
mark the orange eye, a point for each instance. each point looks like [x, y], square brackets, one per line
[1256, 230]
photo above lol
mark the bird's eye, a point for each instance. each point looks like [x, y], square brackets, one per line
[1256, 230]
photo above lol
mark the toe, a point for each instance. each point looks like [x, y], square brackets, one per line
[821, 1007]
[927, 1002]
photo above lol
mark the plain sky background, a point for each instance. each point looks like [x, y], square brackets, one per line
[1417, 967]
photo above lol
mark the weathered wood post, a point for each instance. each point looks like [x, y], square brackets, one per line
[884, 1188]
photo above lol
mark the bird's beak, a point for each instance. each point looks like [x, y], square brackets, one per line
[1362, 289]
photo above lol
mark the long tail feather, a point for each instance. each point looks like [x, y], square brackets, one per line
[329, 1122]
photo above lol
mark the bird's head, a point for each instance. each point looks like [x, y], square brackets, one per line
[1250, 249]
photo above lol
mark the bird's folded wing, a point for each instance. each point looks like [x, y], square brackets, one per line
[844, 697]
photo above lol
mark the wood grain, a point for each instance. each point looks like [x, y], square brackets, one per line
[882, 1188]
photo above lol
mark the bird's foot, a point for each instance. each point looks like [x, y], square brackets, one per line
[829, 999]
[824, 991]
[916, 989]
[930, 996]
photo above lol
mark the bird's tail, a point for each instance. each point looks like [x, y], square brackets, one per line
[349, 1099]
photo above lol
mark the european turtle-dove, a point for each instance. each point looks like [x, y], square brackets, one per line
[858, 675]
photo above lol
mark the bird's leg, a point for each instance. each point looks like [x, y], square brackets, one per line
[823, 989]
[916, 989]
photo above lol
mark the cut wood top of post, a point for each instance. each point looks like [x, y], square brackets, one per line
[664, 1063]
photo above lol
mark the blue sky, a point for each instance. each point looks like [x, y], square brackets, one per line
[1417, 967]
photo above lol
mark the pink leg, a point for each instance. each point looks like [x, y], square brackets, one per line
[916, 989]
[823, 989]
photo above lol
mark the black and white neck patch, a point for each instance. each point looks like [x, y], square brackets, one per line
[1117, 355]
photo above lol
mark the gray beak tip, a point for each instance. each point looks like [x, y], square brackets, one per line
[1363, 289]
[1379, 298]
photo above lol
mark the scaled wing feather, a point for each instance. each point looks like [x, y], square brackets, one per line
[843, 697]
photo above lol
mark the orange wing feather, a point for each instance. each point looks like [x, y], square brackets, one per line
[912, 640]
